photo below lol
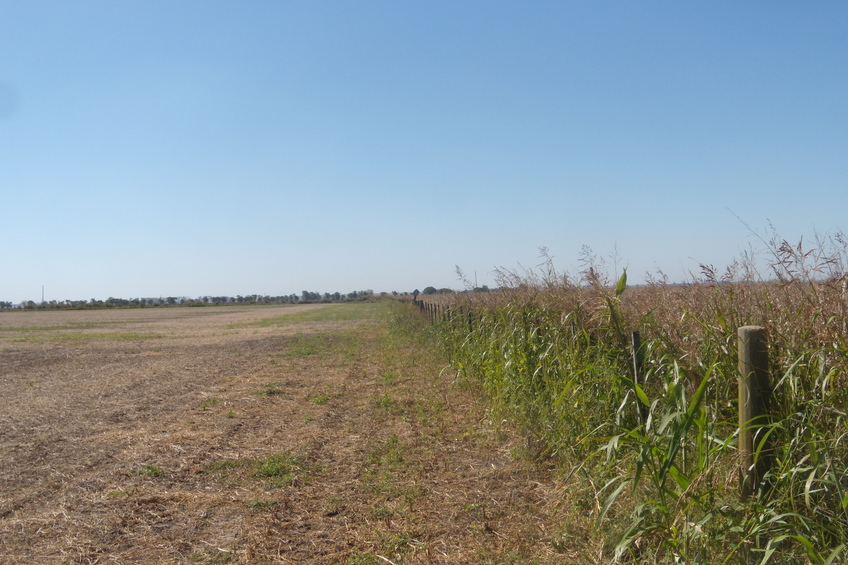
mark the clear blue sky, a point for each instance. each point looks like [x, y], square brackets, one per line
[160, 148]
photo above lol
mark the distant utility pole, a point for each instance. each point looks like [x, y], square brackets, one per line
[42, 294]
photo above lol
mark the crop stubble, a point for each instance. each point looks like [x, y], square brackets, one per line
[227, 435]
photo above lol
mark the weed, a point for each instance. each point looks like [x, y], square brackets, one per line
[319, 399]
[122, 493]
[381, 512]
[224, 465]
[303, 350]
[107, 336]
[148, 470]
[386, 405]
[324, 397]
[282, 469]
[365, 559]
[390, 378]
[388, 452]
[209, 403]
[327, 313]
[271, 389]
[262, 505]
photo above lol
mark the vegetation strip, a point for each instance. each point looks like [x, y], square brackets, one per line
[653, 464]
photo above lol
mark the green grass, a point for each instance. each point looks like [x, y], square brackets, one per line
[106, 336]
[222, 467]
[390, 378]
[272, 389]
[277, 470]
[282, 469]
[209, 403]
[62, 327]
[262, 505]
[149, 471]
[349, 312]
[73, 333]
[385, 405]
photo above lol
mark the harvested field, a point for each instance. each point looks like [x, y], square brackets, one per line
[308, 434]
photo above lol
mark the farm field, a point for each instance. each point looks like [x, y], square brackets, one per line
[305, 434]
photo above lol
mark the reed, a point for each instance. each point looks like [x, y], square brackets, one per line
[659, 457]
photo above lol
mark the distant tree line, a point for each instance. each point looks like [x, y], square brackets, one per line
[305, 297]
[434, 290]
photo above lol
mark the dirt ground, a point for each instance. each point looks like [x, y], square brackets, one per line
[308, 434]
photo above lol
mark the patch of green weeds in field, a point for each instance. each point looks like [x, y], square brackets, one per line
[230, 413]
[302, 350]
[390, 378]
[381, 512]
[343, 344]
[209, 403]
[384, 405]
[382, 463]
[395, 545]
[277, 470]
[225, 465]
[105, 336]
[364, 559]
[399, 543]
[72, 333]
[388, 453]
[121, 493]
[324, 397]
[148, 470]
[319, 399]
[271, 389]
[282, 470]
[80, 326]
[262, 505]
[429, 410]
[360, 311]
[486, 556]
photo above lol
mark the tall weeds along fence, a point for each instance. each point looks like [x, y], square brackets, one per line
[693, 440]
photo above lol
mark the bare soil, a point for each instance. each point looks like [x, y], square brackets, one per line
[309, 434]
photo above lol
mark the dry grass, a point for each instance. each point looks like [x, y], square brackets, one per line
[240, 435]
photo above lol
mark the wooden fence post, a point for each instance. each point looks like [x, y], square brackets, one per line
[754, 392]
[638, 378]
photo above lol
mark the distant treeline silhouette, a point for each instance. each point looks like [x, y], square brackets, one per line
[305, 297]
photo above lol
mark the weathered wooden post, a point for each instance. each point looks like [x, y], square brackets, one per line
[638, 378]
[754, 393]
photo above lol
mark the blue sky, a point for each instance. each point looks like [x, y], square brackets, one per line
[220, 148]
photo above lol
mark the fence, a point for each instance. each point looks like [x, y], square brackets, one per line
[753, 383]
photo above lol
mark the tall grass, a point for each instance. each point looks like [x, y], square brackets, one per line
[660, 459]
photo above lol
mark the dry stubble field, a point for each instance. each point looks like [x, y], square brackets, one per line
[308, 434]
